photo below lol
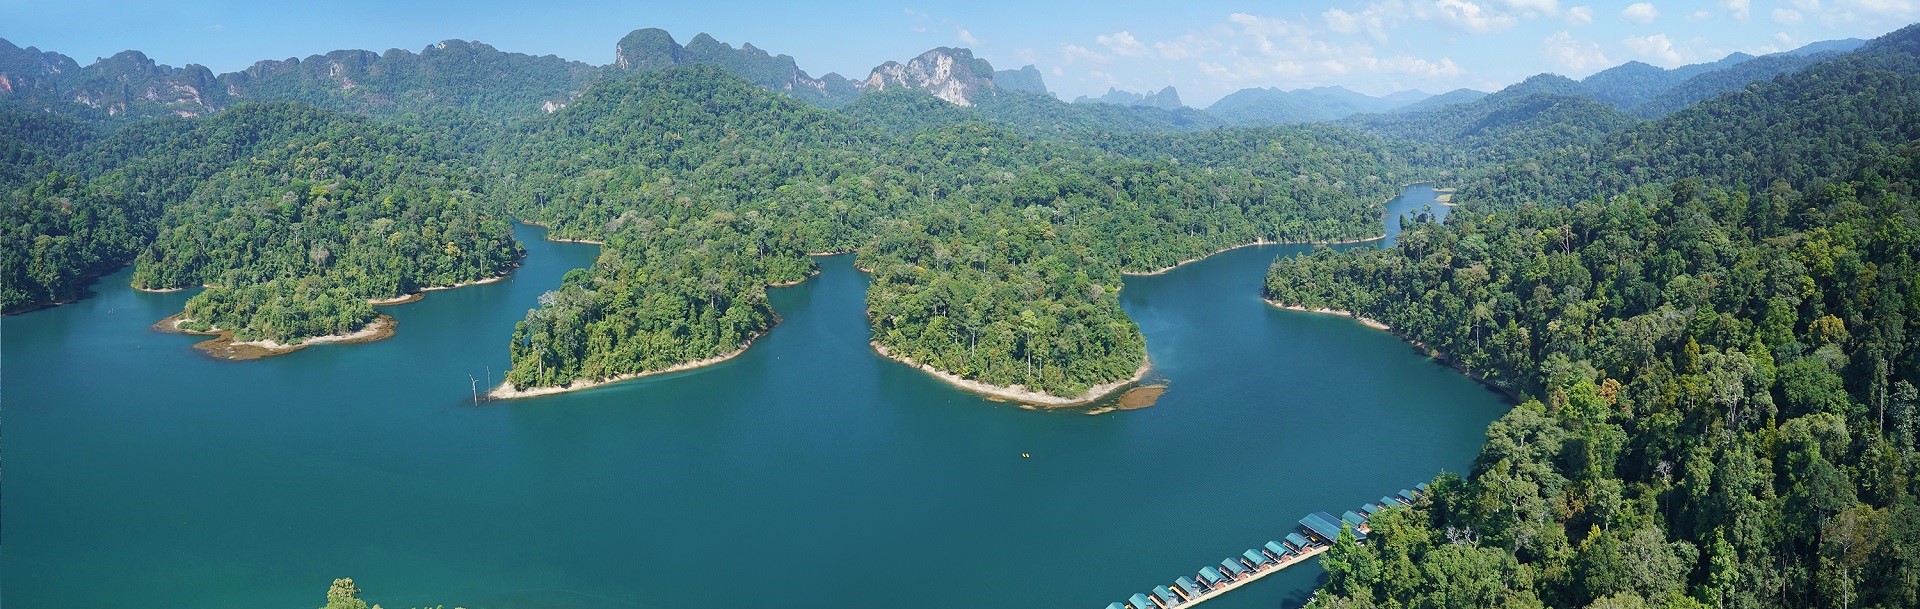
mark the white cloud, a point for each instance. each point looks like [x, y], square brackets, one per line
[1534, 8]
[1469, 17]
[1076, 52]
[1656, 49]
[1888, 8]
[1700, 15]
[1122, 43]
[1785, 40]
[1738, 8]
[1405, 64]
[1374, 20]
[1786, 16]
[1806, 5]
[1640, 12]
[1058, 71]
[1580, 15]
[961, 34]
[1572, 55]
[1341, 21]
[1189, 46]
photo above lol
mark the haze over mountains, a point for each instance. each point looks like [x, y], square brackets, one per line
[479, 78]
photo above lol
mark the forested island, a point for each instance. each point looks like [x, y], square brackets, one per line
[1699, 284]
[995, 256]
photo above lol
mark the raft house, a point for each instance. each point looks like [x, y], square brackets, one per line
[1316, 534]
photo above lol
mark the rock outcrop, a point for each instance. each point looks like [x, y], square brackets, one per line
[1026, 80]
[948, 73]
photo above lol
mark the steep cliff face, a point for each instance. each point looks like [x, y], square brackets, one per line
[129, 81]
[655, 49]
[647, 49]
[948, 73]
[453, 73]
[1026, 80]
[458, 74]
[29, 74]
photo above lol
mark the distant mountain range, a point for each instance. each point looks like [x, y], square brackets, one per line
[468, 75]
[1256, 106]
[1165, 99]
[480, 79]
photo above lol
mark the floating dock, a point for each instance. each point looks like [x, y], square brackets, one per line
[1316, 534]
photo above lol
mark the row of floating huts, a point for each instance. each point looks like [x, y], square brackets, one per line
[1316, 534]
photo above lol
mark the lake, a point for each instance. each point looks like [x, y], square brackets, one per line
[807, 472]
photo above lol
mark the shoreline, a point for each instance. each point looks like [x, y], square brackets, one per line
[1019, 393]
[1365, 321]
[505, 390]
[421, 293]
[223, 346]
[550, 237]
[493, 279]
[1258, 242]
[803, 279]
[397, 300]
[1424, 349]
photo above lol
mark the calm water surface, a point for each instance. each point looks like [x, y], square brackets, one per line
[807, 472]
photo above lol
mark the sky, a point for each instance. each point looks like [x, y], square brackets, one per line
[1204, 48]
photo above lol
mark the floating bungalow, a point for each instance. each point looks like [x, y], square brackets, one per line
[1316, 534]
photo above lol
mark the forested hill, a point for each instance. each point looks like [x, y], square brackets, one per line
[253, 201]
[1726, 413]
[1530, 119]
[1818, 122]
[1719, 383]
[996, 255]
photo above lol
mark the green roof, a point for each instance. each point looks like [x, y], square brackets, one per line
[1187, 583]
[1233, 566]
[1165, 594]
[1211, 575]
[1322, 524]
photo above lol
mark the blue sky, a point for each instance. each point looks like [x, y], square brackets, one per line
[1205, 48]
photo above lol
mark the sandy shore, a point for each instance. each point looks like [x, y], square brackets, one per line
[1163, 270]
[156, 290]
[223, 346]
[1019, 393]
[506, 391]
[1365, 321]
[787, 284]
[493, 279]
[1436, 355]
[397, 300]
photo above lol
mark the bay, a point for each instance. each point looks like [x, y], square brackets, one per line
[806, 472]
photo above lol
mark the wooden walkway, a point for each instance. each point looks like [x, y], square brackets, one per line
[1263, 571]
[1316, 535]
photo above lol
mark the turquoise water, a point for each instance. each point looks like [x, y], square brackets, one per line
[807, 472]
